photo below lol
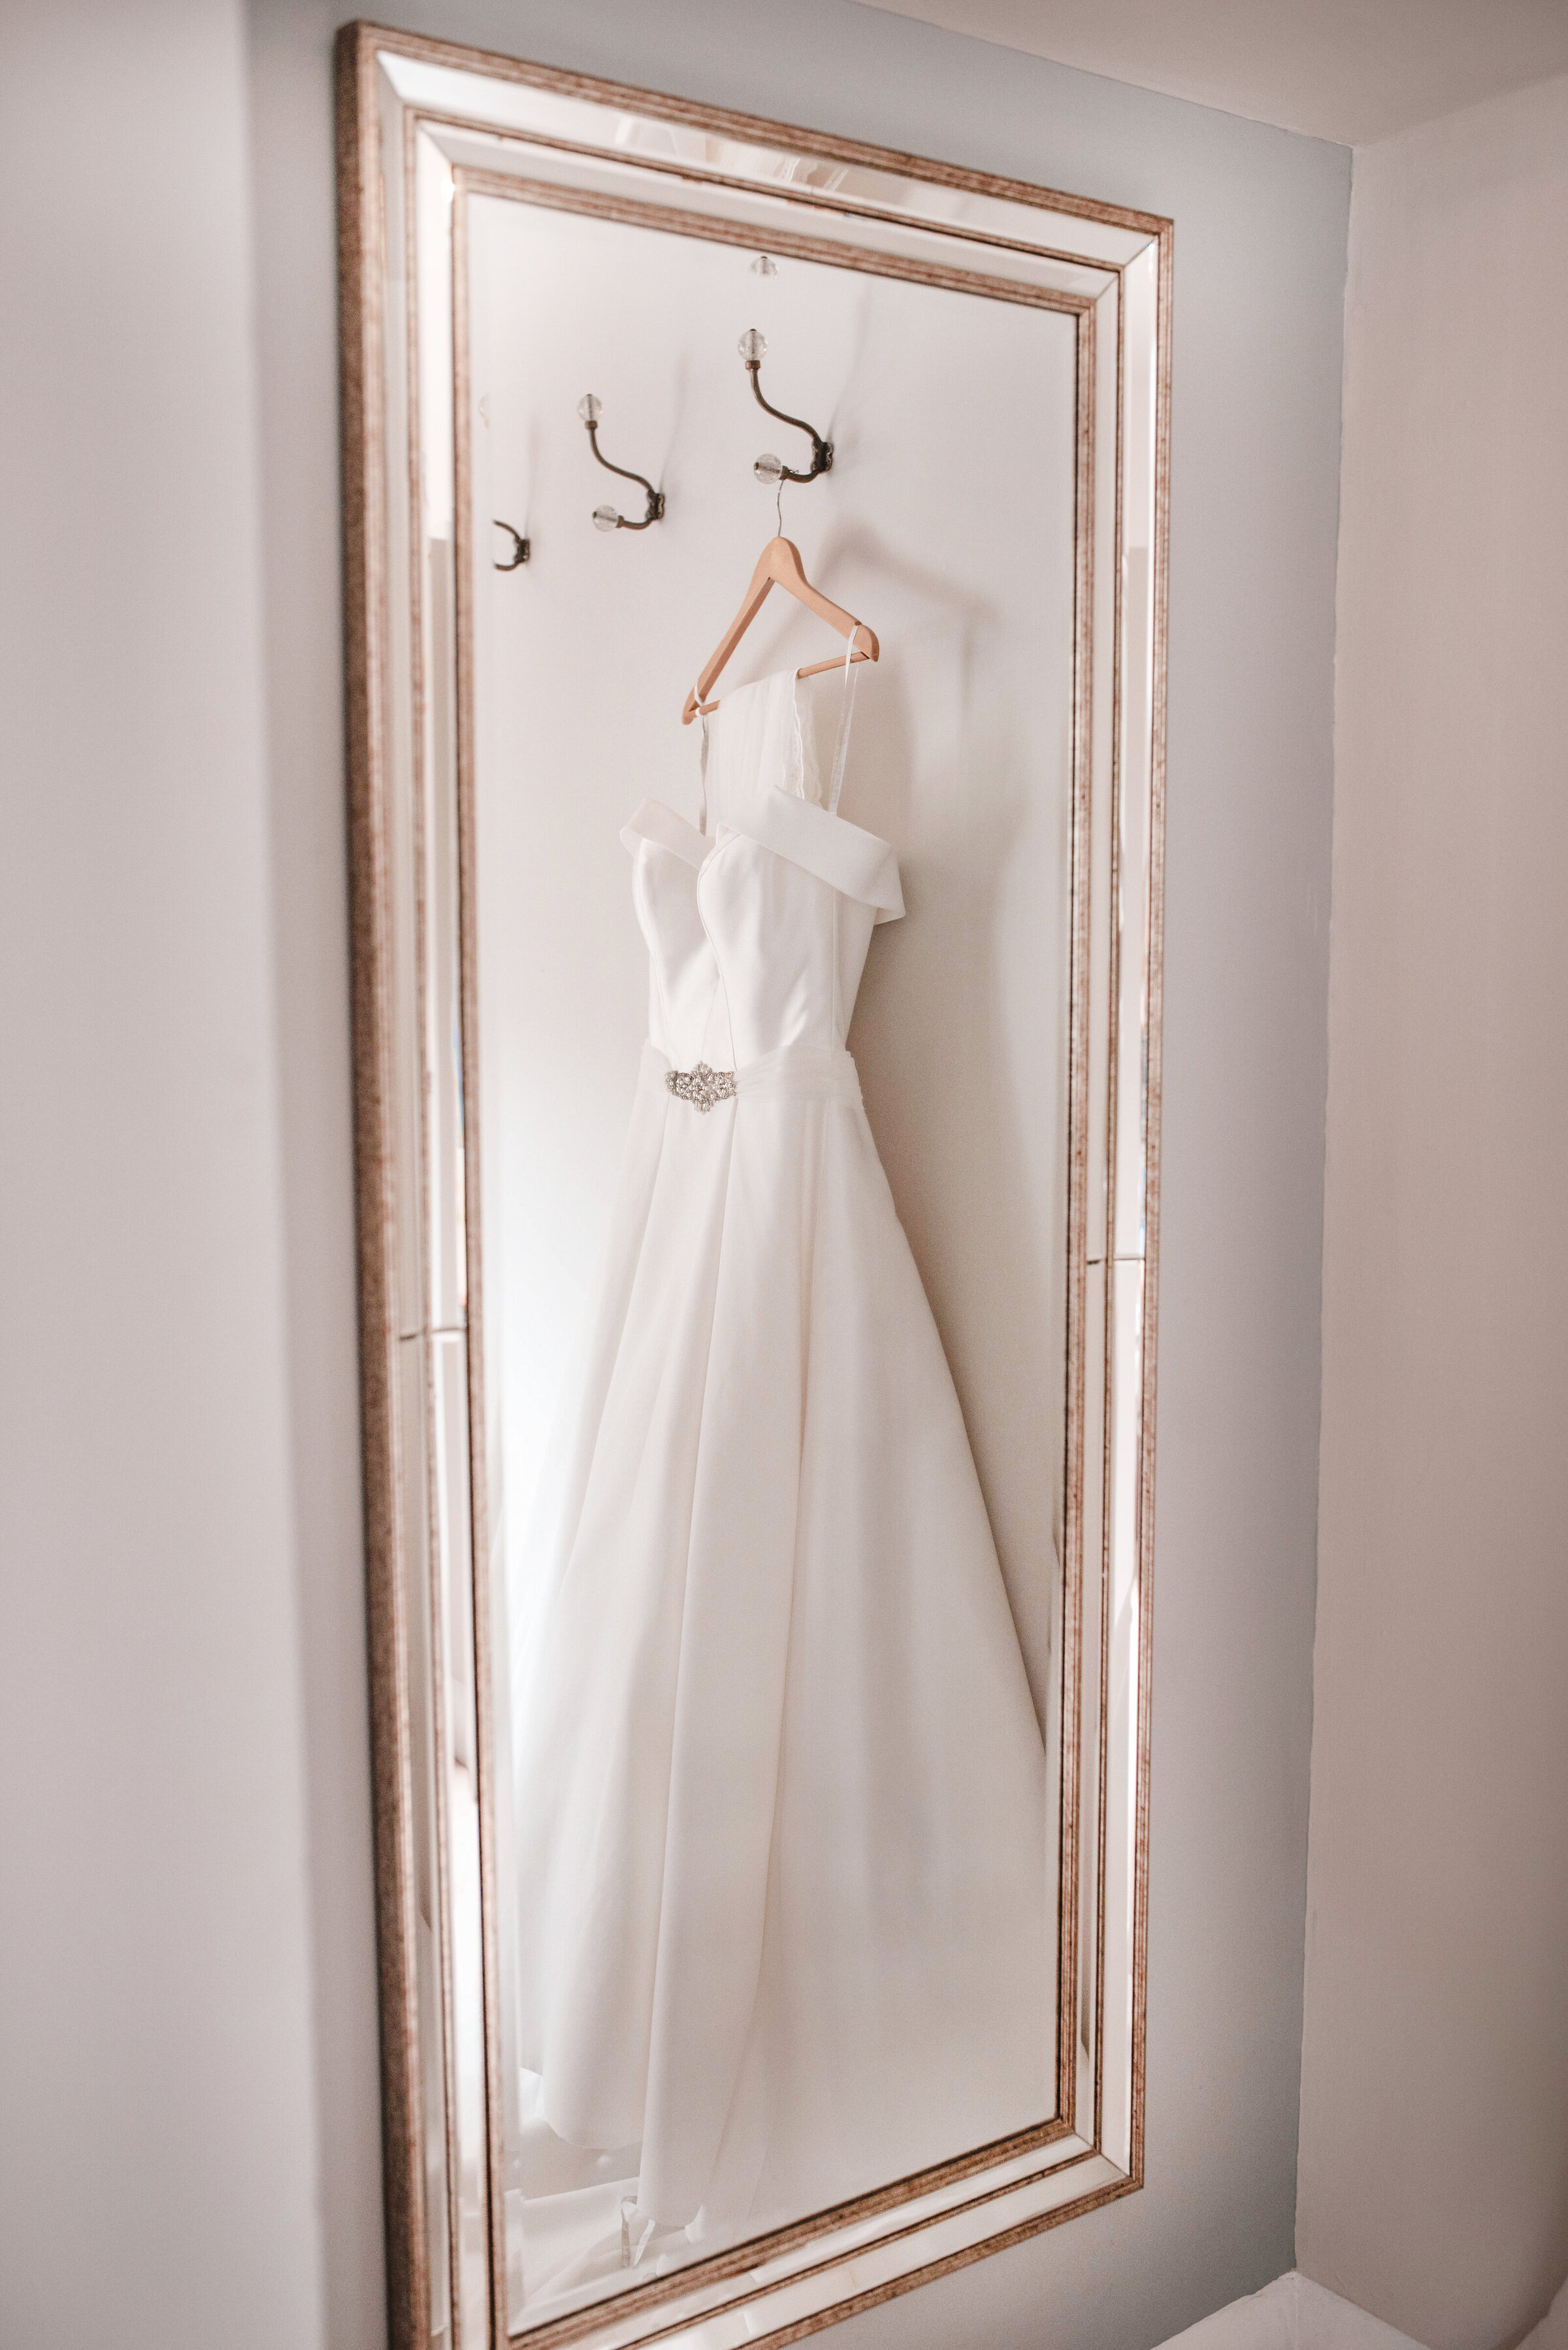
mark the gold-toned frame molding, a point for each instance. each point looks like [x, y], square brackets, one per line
[409, 1627]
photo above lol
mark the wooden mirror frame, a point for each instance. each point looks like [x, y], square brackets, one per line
[493, 125]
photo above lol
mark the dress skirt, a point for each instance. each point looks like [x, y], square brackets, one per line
[783, 1842]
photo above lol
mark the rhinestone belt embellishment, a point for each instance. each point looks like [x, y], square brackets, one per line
[701, 1086]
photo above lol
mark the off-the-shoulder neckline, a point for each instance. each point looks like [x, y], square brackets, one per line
[711, 840]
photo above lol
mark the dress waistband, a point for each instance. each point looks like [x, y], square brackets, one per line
[792, 1072]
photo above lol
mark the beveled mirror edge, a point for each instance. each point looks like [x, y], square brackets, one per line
[365, 458]
[1153, 960]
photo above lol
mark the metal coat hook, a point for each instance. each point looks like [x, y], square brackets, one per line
[753, 348]
[521, 549]
[591, 410]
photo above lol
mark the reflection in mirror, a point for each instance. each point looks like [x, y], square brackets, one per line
[777, 1908]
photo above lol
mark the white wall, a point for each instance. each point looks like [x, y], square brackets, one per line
[1434, 2148]
[190, 2103]
[162, 2142]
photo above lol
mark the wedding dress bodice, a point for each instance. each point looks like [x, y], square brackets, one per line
[756, 932]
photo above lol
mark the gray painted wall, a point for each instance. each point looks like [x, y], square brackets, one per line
[1433, 2151]
[191, 2090]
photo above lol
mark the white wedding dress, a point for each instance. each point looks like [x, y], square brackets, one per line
[784, 1923]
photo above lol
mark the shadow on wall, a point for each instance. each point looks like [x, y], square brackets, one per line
[935, 1001]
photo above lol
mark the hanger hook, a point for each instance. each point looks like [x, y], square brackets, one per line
[753, 348]
[590, 409]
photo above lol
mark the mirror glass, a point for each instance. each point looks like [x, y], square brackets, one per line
[779, 1676]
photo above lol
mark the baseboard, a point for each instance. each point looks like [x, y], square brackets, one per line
[1291, 2314]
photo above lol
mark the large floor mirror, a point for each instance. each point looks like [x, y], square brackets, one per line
[755, 552]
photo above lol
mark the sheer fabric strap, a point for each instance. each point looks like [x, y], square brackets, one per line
[847, 712]
[702, 762]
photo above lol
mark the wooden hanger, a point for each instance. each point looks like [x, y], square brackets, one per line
[779, 565]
